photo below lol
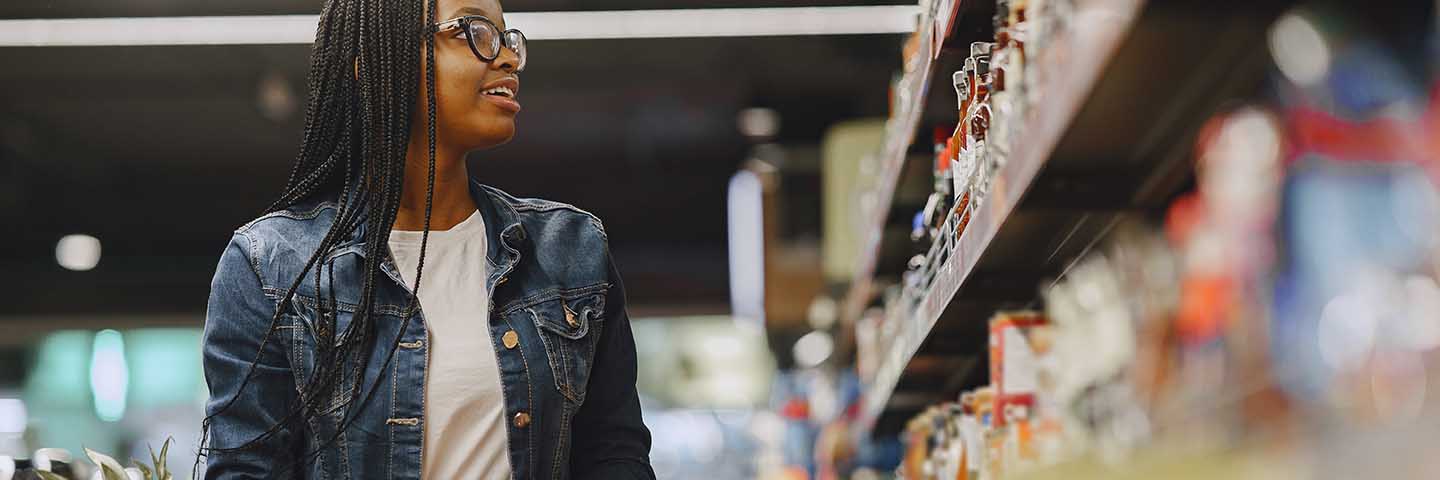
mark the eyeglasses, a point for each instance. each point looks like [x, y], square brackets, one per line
[486, 39]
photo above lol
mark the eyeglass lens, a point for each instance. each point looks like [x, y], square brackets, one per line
[485, 38]
[516, 41]
[488, 40]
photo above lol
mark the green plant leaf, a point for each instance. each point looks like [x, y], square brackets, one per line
[144, 470]
[109, 468]
[154, 460]
[162, 470]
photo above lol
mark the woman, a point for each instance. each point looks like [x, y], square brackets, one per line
[391, 318]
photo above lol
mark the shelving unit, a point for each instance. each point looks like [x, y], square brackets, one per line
[1068, 178]
[909, 101]
[1101, 26]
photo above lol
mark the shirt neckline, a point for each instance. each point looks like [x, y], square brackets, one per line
[470, 226]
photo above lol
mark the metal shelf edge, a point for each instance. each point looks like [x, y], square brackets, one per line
[1097, 30]
[899, 132]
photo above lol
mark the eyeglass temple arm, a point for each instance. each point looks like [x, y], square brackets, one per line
[448, 25]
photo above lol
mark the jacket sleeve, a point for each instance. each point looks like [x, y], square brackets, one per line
[610, 438]
[237, 319]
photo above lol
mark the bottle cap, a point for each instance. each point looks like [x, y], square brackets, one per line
[961, 79]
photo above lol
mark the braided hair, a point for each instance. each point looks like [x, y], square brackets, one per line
[364, 81]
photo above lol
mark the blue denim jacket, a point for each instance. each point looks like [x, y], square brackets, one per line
[568, 383]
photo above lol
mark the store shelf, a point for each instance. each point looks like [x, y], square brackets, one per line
[884, 169]
[1180, 464]
[1096, 31]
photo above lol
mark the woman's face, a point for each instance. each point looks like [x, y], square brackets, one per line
[466, 116]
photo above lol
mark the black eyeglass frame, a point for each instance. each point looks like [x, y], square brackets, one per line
[463, 24]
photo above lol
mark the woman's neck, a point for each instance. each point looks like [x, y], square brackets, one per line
[451, 203]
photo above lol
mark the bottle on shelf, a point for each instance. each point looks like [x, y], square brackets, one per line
[962, 166]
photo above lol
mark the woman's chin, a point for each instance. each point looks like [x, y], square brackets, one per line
[493, 136]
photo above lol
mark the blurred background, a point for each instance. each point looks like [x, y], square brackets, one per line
[1203, 223]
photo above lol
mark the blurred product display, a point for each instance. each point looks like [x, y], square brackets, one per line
[1145, 239]
[1263, 303]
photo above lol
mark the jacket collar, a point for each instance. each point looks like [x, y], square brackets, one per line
[504, 235]
[502, 251]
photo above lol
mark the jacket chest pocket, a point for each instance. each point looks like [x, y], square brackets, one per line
[314, 365]
[323, 311]
[318, 355]
[570, 327]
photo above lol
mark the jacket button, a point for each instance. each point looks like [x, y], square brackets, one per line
[510, 339]
[570, 316]
[522, 420]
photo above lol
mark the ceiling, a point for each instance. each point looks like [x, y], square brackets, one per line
[161, 152]
[154, 8]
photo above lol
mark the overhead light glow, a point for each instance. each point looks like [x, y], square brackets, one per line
[275, 98]
[13, 417]
[813, 349]
[823, 312]
[716, 22]
[300, 29]
[1300, 50]
[78, 252]
[745, 212]
[109, 377]
[758, 122]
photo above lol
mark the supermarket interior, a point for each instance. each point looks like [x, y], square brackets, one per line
[952, 239]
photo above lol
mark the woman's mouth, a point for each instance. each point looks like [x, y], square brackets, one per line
[502, 91]
[502, 94]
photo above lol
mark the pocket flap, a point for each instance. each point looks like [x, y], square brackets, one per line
[569, 317]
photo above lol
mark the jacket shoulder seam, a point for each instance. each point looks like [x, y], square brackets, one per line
[289, 213]
[252, 258]
[539, 205]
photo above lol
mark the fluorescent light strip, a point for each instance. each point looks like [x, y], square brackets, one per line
[148, 31]
[300, 29]
[717, 22]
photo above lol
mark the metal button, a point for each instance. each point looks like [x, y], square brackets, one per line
[522, 420]
[570, 317]
[510, 339]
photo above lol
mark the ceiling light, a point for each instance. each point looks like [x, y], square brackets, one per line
[758, 122]
[745, 214]
[274, 97]
[109, 377]
[716, 22]
[300, 29]
[78, 252]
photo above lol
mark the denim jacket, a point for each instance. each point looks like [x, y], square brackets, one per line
[557, 320]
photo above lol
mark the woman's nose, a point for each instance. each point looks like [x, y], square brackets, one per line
[508, 61]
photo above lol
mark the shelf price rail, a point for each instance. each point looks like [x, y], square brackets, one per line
[1071, 67]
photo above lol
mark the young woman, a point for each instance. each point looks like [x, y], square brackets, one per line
[391, 318]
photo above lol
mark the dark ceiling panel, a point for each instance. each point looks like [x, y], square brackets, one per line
[160, 8]
[162, 151]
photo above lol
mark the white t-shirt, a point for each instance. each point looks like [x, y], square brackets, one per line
[464, 422]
